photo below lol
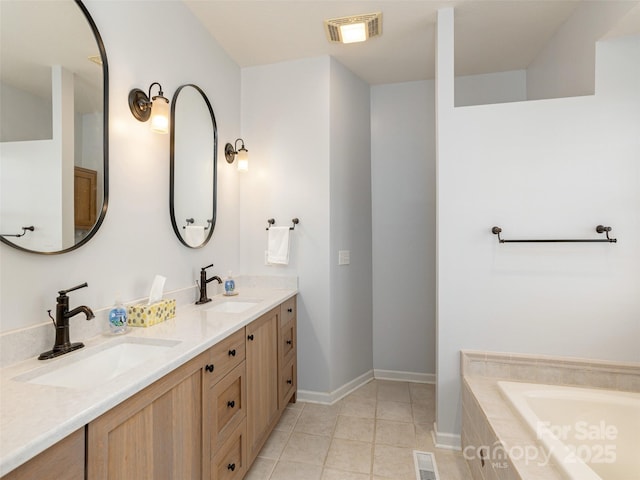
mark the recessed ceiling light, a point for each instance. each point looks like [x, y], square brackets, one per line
[356, 28]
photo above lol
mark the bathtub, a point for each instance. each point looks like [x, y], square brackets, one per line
[590, 434]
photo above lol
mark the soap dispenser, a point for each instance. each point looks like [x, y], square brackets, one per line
[230, 285]
[118, 318]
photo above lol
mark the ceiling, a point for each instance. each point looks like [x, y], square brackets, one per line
[490, 36]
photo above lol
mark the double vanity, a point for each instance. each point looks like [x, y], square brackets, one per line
[193, 397]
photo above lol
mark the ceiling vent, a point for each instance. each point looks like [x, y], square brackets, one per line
[356, 28]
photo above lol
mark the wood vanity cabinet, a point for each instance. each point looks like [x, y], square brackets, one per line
[225, 408]
[287, 354]
[271, 371]
[262, 379]
[208, 418]
[157, 433]
[62, 461]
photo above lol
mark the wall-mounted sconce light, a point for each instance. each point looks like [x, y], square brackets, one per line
[230, 153]
[157, 108]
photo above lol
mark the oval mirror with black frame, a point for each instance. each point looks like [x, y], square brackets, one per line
[193, 166]
[53, 126]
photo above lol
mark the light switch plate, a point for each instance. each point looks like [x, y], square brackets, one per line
[344, 257]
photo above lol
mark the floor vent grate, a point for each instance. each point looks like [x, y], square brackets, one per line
[425, 466]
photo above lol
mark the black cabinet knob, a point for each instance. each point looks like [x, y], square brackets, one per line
[290, 310]
[209, 368]
[231, 466]
[289, 342]
[231, 404]
[290, 382]
[232, 353]
[250, 337]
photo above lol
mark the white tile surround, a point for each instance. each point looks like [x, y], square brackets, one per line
[21, 344]
[489, 420]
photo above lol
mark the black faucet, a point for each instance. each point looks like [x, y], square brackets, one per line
[203, 284]
[62, 344]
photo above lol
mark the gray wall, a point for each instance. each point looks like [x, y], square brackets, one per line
[306, 124]
[403, 186]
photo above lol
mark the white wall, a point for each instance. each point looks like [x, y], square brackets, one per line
[566, 65]
[23, 116]
[403, 186]
[499, 87]
[136, 240]
[306, 126]
[38, 205]
[350, 198]
[546, 169]
[285, 126]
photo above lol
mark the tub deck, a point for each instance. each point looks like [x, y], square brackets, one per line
[497, 444]
[488, 420]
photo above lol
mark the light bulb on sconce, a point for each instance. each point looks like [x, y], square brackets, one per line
[157, 108]
[230, 153]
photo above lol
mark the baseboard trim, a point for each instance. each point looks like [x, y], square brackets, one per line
[404, 376]
[332, 397]
[449, 441]
[329, 398]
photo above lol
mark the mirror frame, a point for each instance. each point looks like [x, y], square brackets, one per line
[105, 142]
[172, 165]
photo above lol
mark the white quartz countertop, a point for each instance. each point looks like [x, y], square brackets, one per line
[34, 417]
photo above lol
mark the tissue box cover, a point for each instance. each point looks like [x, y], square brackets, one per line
[142, 315]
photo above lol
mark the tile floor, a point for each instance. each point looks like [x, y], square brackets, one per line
[368, 435]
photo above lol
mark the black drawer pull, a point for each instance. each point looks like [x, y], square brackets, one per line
[231, 404]
[232, 353]
[289, 342]
[231, 466]
[209, 368]
[290, 310]
[290, 382]
[250, 337]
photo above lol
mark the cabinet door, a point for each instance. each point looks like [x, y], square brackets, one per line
[262, 379]
[62, 461]
[155, 434]
[84, 197]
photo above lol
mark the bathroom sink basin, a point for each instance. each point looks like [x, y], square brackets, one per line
[97, 365]
[230, 306]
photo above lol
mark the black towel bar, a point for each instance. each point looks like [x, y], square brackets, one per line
[24, 231]
[599, 229]
[272, 221]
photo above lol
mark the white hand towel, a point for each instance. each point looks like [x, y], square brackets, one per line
[278, 245]
[194, 235]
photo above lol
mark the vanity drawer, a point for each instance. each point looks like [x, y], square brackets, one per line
[288, 312]
[230, 462]
[287, 384]
[227, 408]
[226, 355]
[287, 347]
